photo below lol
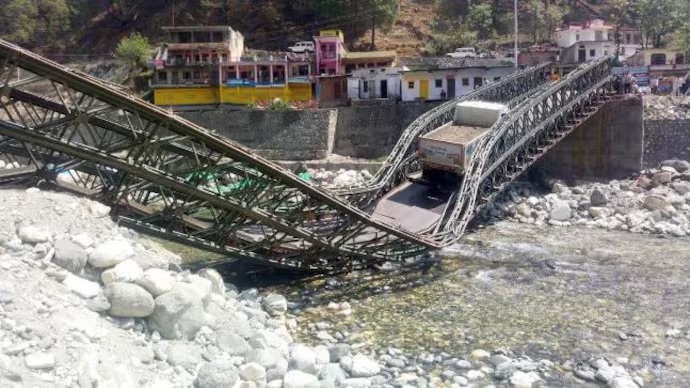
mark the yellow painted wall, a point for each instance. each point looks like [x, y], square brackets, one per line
[185, 96]
[230, 95]
[424, 89]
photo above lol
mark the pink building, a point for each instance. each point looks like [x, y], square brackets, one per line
[330, 51]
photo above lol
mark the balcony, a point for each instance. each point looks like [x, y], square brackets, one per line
[185, 63]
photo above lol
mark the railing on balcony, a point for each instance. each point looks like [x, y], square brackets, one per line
[184, 63]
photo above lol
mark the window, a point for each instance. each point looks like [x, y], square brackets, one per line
[658, 59]
[410, 85]
[628, 39]
[577, 37]
[186, 75]
[592, 52]
[465, 82]
[680, 59]
[478, 82]
[162, 75]
[365, 86]
[439, 83]
[217, 36]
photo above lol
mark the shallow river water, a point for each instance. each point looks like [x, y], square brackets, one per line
[556, 293]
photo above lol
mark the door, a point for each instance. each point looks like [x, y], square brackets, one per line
[451, 88]
[478, 82]
[424, 89]
[581, 55]
[384, 88]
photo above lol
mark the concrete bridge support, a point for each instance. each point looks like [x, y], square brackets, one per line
[609, 145]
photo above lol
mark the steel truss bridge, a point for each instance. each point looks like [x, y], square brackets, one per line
[167, 176]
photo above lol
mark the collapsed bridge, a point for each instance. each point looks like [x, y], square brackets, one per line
[167, 176]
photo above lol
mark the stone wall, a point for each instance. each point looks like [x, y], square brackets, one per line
[358, 132]
[372, 131]
[666, 139]
[608, 145]
[290, 135]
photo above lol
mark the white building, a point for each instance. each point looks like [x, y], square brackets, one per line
[372, 83]
[594, 30]
[440, 78]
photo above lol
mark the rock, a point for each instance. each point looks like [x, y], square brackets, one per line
[363, 366]
[128, 300]
[178, 313]
[69, 256]
[358, 382]
[605, 374]
[654, 202]
[474, 375]
[678, 165]
[83, 240]
[110, 253]
[598, 198]
[480, 354]
[271, 359]
[80, 286]
[299, 379]
[645, 183]
[338, 351]
[332, 373]
[561, 211]
[524, 380]
[253, 372]
[661, 178]
[40, 360]
[127, 271]
[498, 359]
[201, 286]
[524, 210]
[275, 304]
[217, 284]
[463, 364]
[98, 209]
[585, 374]
[302, 358]
[275, 384]
[183, 354]
[217, 374]
[321, 355]
[30, 234]
[231, 342]
[598, 212]
[504, 370]
[156, 281]
[681, 187]
[623, 382]
[98, 304]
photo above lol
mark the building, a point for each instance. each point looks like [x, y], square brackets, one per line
[330, 50]
[538, 54]
[354, 60]
[374, 83]
[208, 65]
[428, 78]
[662, 62]
[594, 39]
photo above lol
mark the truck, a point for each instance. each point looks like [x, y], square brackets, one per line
[445, 152]
[302, 47]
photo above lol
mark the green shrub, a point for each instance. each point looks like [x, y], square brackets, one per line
[134, 50]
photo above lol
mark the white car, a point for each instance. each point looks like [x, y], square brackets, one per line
[463, 52]
[302, 47]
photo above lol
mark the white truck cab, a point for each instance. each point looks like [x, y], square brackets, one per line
[302, 47]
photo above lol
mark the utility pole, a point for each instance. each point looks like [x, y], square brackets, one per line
[516, 34]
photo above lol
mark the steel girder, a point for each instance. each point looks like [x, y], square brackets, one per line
[403, 159]
[166, 175]
[521, 138]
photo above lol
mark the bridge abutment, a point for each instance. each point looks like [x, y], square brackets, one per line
[609, 145]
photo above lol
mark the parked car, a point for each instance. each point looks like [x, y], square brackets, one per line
[302, 47]
[463, 52]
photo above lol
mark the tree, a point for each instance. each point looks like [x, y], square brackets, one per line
[480, 19]
[657, 19]
[18, 20]
[134, 50]
[383, 15]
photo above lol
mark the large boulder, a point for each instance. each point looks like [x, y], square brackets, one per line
[678, 165]
[655, 202]
[217, 374]
[363, 366]
[127, 271]
[662, 178]
[231, 342]
[302, 358]
[598, 198]
[178, 313]
[129, 300]
[253, 372]
[271, 359]
[275, 304]
[156, 281]
[184, 355]
[217, 284]
[332, 373]
[30, 234]
[561, 211]
[299, 379]
[80, 286]
[110, 253]
[681, 187]
[69, 256]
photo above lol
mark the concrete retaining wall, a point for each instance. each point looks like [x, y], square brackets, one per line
[665, 139]
[608, 145]
[358, 132]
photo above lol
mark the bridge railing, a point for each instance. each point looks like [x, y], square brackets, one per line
[403, 159]
[515, 143]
